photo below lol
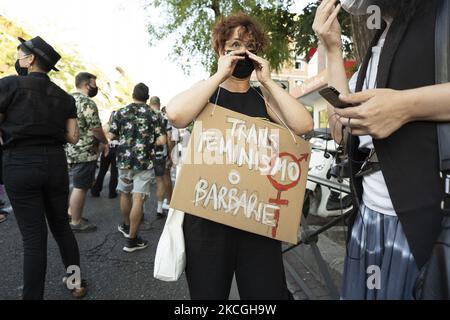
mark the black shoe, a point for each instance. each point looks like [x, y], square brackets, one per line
[112, 195]
[95, 194]
[159, 214]
[125, 230]
[135, 244]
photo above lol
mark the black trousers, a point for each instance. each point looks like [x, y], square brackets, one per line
[105, 163]
[37, 184]
[215, 252]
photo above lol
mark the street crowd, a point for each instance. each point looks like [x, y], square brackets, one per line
[390, 126]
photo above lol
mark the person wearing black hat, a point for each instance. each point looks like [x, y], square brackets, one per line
[138, 130]
[37, 119]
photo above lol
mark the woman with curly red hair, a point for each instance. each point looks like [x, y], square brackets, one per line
[215, 252]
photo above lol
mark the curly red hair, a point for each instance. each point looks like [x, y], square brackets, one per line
[249, 28]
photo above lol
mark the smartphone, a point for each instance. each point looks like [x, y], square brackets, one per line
[332, 96]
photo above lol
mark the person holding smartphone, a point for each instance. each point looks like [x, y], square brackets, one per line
[392, 143]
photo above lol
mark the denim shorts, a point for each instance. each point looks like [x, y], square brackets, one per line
[83, 174]
[133, 181]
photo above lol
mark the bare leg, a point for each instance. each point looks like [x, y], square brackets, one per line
[168, 186]
[160, 191]
[125, 207]
[76, 204]
[137, 211]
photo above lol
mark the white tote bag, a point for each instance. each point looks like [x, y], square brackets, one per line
[170, 259]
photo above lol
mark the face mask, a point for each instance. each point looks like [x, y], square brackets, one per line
[92, 91]
[243, 68]
[20, 71]
[356, 7]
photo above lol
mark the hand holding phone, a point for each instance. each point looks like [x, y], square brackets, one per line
[332, 96]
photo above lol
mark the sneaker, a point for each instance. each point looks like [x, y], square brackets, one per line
[159, 214]
[83, 227]
[135, 244]
[124, 229]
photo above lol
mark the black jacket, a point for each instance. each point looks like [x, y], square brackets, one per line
[35, 109]
[409, 157]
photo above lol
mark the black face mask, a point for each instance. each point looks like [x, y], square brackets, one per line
[244, 68]
[20, 71]
[92, 91]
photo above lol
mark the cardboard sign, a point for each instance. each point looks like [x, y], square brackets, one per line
[244, 172]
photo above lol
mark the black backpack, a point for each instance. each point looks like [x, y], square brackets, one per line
[433, 282]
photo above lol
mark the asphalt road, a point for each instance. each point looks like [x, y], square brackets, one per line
[110, 272]
[115, 275]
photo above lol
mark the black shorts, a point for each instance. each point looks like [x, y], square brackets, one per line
[83, 174]
[160, 167]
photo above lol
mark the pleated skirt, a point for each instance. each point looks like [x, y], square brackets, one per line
[378, 264]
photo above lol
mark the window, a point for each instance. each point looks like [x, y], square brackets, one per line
[323, 119]
[298, 63]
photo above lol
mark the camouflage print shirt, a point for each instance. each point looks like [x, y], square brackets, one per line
[86, 149]
[137, 128]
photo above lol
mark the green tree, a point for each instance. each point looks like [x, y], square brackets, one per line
[356, 36]
[290, 34]
[192, 21]
[305, 38]
[114, 92]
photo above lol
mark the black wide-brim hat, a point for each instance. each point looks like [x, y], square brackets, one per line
[43, 50]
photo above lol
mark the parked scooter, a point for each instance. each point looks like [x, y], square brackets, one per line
[327, 189]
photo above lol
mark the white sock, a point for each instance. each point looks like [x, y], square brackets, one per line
[160, 204]
[166, 205]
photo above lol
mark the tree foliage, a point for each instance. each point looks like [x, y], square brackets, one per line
[305, 38]
[114, 92]
[191, 22]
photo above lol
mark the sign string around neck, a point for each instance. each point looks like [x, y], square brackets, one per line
[266, 103]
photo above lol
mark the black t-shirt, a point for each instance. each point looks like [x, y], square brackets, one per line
[35, 110]
[249, 103]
